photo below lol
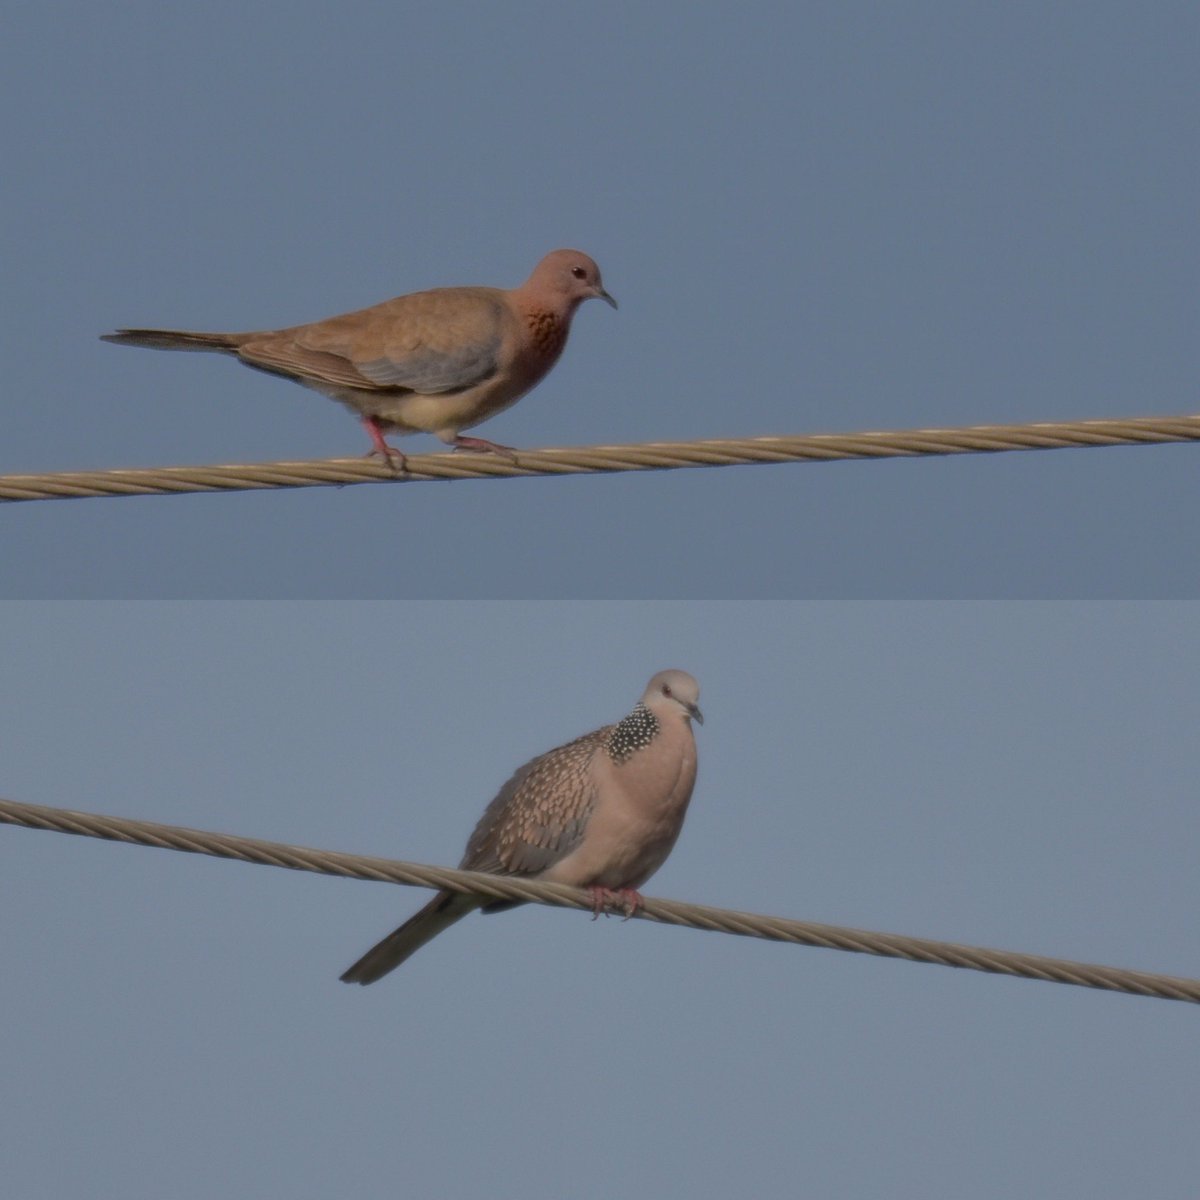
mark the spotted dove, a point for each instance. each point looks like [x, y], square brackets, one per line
[601, 812]
[434, 362]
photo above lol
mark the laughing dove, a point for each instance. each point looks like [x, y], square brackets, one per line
[601, 812]
[431, 362]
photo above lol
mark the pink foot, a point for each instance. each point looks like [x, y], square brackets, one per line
[474, 443]
[627, 899]
[379, 445]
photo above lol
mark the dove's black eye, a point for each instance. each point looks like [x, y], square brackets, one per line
[579, 272]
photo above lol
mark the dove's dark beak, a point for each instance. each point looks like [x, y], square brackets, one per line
[693, 709]
[601, 294]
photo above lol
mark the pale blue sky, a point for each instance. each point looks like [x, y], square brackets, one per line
[817, 217]
[1013, 775]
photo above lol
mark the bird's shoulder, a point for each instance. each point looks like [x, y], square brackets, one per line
[541, 811]
[435, 317]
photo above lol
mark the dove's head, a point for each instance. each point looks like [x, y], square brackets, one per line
[674, 691]
[566, 278]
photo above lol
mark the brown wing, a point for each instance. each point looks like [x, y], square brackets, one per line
[444, 340]
[540, 814]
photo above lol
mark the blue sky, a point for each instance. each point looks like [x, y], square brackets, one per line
[818, 217]
[953, 698]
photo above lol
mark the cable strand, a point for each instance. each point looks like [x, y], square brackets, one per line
[667, 912]
[646, 456]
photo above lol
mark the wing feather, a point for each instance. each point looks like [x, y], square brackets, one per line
[445, 340]
[540, 815]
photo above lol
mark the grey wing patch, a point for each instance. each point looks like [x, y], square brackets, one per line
[430, 370]
[540, 815]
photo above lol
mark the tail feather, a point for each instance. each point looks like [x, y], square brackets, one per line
[439, 914]
[174, 339]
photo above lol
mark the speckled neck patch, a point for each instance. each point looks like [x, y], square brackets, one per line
[634, 732]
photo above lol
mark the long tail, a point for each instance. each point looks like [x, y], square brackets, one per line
[439, 914]
[175, 339]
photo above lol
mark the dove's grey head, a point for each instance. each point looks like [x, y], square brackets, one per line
[565, 279]
[674, 692]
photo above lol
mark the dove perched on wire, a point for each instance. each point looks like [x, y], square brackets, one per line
[601, 812]
[435, 362]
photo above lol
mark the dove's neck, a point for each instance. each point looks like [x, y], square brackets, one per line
[632, 733]
[545, 333]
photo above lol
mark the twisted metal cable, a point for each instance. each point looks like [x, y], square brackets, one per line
[668, 912]
[646, 456]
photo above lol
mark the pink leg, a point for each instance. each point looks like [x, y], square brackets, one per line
[379, 446]
[474, 443]
[599, 900]
[627, 898]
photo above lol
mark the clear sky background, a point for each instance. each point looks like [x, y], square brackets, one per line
[817, 217]
[1014, 775]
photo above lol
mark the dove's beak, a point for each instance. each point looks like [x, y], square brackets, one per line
[693, 709]
[601, 294]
